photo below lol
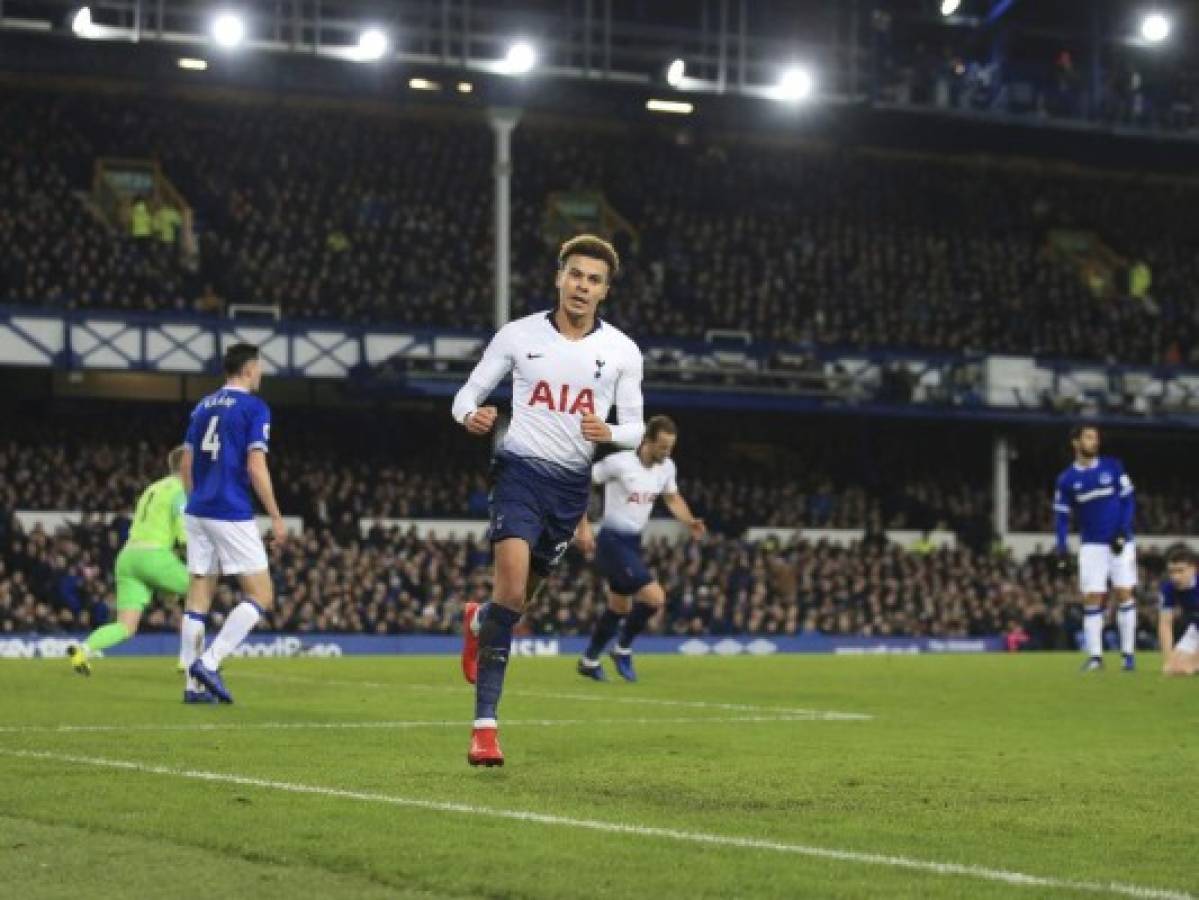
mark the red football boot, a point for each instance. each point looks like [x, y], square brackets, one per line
[485, 748]
[470, 643]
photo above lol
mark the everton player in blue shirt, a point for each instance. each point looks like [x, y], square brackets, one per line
[1179, 597]
[1098, 493]
[224, 458]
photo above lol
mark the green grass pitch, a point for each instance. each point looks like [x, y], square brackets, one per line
[980, 776]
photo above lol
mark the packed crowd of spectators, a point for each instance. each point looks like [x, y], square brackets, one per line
[393, 582]
[332, 469]
[387, 580]
[369, 217]
[70, 466]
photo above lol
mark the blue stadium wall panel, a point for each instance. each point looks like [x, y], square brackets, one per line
[31, 646]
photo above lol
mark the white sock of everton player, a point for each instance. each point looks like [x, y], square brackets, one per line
[191, 644]
[1092, 628]
[1126, 619]
[240, 623]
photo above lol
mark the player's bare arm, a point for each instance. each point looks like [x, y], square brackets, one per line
[185, 471]
[680, 510]
[260, 478]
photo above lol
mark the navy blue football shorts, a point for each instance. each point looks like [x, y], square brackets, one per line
[539, 503]
[618, 558]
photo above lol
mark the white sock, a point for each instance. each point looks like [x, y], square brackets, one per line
[1092, 626]
[1126, 618]
[191, 645]
[239, 623]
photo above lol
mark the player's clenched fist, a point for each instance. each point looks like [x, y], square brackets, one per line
[482, 420]
[596, 429]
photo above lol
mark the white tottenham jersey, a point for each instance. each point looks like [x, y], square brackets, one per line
[630, 489]
[554, 382]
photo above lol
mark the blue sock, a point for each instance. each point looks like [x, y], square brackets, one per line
[495, 641]
[635, 624]
[605, 629]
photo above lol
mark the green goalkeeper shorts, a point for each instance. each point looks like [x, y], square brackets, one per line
[142, 572]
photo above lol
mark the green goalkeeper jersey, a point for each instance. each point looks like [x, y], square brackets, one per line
[158, 519]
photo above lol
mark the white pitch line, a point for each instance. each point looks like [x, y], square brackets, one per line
[402, 724]
[980, 873]
[554, 695]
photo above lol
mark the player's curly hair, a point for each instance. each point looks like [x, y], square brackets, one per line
[591, 246]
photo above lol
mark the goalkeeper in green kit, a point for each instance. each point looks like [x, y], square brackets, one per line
[146, 564]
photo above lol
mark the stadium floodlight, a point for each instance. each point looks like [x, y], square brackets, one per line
[794, 85]
[676, 73]
[521, 58]
[82, 25]
[423, 84]
[228, 29]
[949, 7]
[372, 44]
[679, 108]
[1155, 28]
[465, 87]
[191, 63]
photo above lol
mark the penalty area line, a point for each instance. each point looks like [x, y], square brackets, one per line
[710, 839]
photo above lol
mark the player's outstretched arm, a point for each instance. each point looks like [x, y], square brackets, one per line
[260, 478]
[680, 510]
[497, 361]
[1165, 636]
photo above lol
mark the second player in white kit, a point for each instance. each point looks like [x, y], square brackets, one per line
[632, 482]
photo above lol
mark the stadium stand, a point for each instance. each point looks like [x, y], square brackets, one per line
[366, 217]
[394, 582]
[337, 467]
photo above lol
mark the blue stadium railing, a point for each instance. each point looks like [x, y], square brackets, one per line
[721, 373]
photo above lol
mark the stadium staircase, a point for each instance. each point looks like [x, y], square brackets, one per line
[117, 183]
[568, 213]
[1098, 266]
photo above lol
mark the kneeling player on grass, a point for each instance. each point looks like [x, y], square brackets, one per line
[632, 481]
[146, 564]
[1179, 595]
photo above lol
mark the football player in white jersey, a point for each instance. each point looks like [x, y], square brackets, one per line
[632, 482]
[569, 368]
